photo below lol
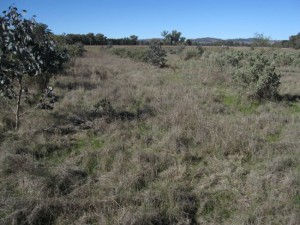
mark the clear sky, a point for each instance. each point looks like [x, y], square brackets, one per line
[225, 19]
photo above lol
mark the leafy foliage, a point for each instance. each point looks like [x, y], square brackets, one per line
[172, 37]
[259, 78]
[156, 55]
[47, 99]
[295, 41]
[260, 40]
[27, 48]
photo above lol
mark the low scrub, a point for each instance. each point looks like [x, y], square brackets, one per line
[190, 55]
[135, 54]
[156, 55]
[258, 78]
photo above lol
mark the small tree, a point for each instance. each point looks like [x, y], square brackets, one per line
[100, 39]
[134, 39]
[260, 40]
[294, 41]
[91, 38]
[27, 49]
[165, 34]
[175, 37]
[156, 55]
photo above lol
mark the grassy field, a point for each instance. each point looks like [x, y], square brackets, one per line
[129, 143]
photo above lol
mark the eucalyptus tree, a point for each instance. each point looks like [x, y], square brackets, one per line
[26, 49]
[260, 40]
[172, 37]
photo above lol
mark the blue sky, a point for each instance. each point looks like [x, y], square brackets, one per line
[225, 19]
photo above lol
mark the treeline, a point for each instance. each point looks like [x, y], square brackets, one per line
[293, 42]
[219, 43]
[97, 39]
[174, 38]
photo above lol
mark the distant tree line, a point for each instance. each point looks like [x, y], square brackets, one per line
[293, 42]
[174, 37]
[220, 43]
[98, 39]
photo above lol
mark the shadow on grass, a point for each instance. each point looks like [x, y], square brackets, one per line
[289, 98]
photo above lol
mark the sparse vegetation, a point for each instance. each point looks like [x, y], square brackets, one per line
[131, 143]
[128, 143]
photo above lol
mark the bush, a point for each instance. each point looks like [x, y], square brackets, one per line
[233, 58]
[190, 54]
[76, 50]
[156, 55]
[258, 78]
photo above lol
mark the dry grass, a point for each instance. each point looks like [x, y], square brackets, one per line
[198, 153]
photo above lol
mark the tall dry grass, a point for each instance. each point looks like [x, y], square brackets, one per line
[194, 151]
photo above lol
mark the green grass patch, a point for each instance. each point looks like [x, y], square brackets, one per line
[295, 107]
[297, 200]
[238, 103]
[144, 128]
[92, 143]
[273, 137]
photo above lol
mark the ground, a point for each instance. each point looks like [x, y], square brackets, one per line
[130, 143]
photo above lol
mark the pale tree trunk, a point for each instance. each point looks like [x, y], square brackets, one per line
[19, 103]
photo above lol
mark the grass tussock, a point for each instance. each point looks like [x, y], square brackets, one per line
[130, 143]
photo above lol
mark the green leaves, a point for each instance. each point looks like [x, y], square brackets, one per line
[26, 50]
[258, 78]
[26, 47]
[156, 55]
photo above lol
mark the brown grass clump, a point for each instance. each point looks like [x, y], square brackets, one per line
[129, 143]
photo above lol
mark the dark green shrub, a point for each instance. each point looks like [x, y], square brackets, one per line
[156, 55]
[258, 78]
[233, 58]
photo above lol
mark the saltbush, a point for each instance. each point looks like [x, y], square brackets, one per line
[156, 55]
[258, 78]
[233, 58]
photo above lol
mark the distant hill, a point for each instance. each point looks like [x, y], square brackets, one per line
[218, 41]
[206, 40]
[209, 40]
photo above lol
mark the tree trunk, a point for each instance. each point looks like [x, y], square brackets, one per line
[18, 104]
